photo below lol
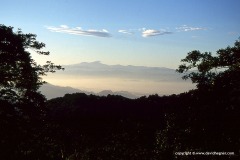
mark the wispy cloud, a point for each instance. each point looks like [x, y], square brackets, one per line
[125, 31]
[186, 28]
[63, 26]
[79, 31]
[152, 32]
[104, 33]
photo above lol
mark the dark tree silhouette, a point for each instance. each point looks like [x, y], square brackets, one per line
[80, 126]
[212, 72]
[21, 104]
[20, 74]
[217, 98]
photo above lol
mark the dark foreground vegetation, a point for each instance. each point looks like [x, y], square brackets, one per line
[87, 127]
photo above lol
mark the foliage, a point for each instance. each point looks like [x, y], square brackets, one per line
[151, 127]
[213, 72]
[79, 126]
[20, 74]
[21, 105]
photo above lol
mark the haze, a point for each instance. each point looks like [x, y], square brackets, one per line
[155, 33]
[138, 80]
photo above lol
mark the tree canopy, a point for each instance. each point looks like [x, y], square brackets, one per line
[80, 126]
[213, 72]
[20, 74]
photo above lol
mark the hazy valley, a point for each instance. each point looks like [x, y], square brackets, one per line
[129, 81]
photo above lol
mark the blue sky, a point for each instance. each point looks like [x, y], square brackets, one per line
[127, 32]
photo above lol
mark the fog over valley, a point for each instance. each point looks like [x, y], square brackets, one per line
[119, 80]
[138, 80]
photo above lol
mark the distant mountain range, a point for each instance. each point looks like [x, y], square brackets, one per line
[53, 91]
[101, 79]
[131, 72]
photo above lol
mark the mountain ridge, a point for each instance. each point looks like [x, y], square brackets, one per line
[96, 76]
[97, 68]
[99, 63]
[54, 91]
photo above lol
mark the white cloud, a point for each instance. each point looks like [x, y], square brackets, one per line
[104, 30]
[80, 31]
[186, 28]
[152, 32]
[125, 31]
[64, 26]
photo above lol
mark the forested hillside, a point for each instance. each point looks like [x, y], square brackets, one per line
[145, 128]
[81, 127]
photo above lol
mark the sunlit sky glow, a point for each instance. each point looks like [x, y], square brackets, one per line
[146, 32]
[128, 32]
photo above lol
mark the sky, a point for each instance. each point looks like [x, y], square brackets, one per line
[157, 33]
[127, 32]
